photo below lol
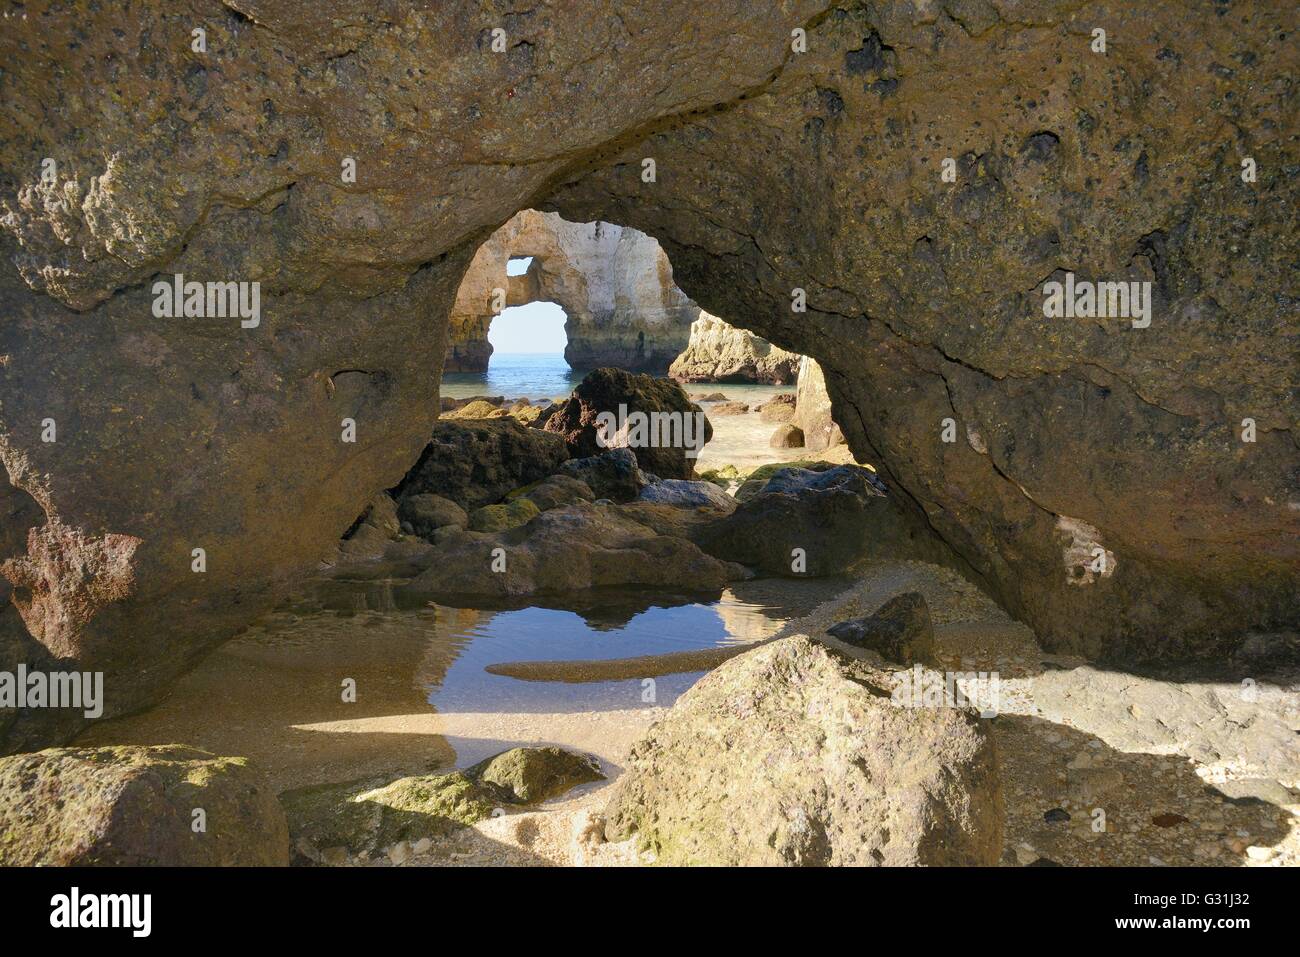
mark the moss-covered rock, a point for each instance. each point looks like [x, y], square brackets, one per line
[554, 491]
[133, 806]
[755, 479]
[362, 817]
[333, 821]
[478, 409]
[537, 774]
[498, 518]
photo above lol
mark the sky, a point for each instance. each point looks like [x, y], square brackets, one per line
[536, 328]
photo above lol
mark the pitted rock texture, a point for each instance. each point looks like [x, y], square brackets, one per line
[613, 409]
[134, 806]
[775, 171]
[792, 755]
[925, 301]
[614, 284]
[719, 352]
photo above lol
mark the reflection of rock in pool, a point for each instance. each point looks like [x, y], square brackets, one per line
[274, 694]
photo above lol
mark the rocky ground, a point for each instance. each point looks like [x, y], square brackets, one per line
[1186, 772]
[783, 753]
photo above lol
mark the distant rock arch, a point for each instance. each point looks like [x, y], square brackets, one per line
[615, 285]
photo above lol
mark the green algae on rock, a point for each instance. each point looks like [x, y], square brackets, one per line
[498, 518]
[167, 805]
[363, 818]
[537, 774]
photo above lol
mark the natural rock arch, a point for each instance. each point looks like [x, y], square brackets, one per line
[614, 284]
[776, 171]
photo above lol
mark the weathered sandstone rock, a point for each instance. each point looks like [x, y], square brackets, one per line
[925, 297]
[684, 494]
[425, 513]
[135, 806]
[793, 755]
[614, 284]
[476, 462]
[331, 823]
[779, 408]
[804, 523]
[812, 413]
[652, 416]
[570, 548]
[786, 436]
[775, 171]
[719, 352]
[729, 408]
[533, 775]
[554, 491]
[498, 518]
[900, 630]
[377, 527]
[613, 474]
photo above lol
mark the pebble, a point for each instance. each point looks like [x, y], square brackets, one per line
[1056, 816]
[400, 852]
[422, 846]
[1257, 853]
[1025, 854]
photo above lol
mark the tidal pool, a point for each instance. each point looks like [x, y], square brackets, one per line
[350, 679]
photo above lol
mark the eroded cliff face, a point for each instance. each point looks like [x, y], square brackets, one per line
[1096, 479]
[776, 170]
[719, 352]
[614, 284]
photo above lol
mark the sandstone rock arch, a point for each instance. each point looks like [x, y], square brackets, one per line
[615, 286]
[775, 171]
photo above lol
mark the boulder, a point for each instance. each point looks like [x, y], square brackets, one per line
[813, 409]
[533, 775]
[477, 409]
[554, 491]
[571, 548]
[791, 754]
[524, 413]
[729, 408]
[786, 436]
[719, 352]
[899, 631]
[135, 806]
[475, 463]
[424, 513]
[377, 528]
[612, 475]
[684, 494]
[615, 285]
[333, 822]
[830, 515]
[497, 518]
[660, 447]
[756, 480]
[778, 409]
